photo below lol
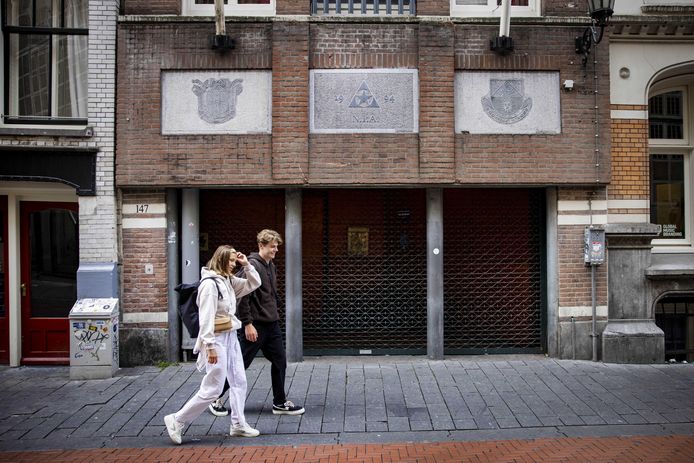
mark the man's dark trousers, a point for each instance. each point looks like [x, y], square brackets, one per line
[270, 342]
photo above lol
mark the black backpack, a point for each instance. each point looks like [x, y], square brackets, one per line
[188, 308]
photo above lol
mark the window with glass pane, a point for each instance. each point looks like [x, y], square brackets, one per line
[665, 118]
[667, 194]
[484, 8]
[486, 2]
[239, 2]
[231, 7]
[46, 61]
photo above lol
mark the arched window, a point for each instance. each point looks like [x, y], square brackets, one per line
[675, 316]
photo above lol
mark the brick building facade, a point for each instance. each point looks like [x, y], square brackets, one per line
[58, 217]
[477, 237]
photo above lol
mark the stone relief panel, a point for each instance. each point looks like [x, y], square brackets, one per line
[211, 102]
[507, 102]
[364, 101]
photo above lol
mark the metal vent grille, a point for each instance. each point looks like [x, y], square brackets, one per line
[364, 271]
[493, 241]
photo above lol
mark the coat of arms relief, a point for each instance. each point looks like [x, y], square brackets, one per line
[506, 102]
[217, 99]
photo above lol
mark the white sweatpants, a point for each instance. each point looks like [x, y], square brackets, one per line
[230, 366]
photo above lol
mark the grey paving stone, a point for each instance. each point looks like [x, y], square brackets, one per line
[375, 426]
[550, 420]
[332, 426]
[508, 422]
[485, 422]
[353, 424]
[376, 413]
[465, 424]
[398, 423]
[420, 425]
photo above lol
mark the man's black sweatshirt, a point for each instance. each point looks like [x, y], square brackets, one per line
[261, 304]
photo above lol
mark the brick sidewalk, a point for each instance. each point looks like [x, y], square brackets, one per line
[666, 449]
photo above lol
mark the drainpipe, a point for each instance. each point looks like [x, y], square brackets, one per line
[220, 40]
[505, 23]
[593, 292]
[503, 44]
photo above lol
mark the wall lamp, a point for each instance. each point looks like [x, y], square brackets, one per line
[600, 13]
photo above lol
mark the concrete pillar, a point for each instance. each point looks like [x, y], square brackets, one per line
[293, 275]
[552, 273]
[172, 267]
[435, 273]
[190, 246]
[631, 335]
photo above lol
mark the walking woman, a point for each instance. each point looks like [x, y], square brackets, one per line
[217, 345]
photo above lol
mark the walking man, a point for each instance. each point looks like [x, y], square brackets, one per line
[261, 327]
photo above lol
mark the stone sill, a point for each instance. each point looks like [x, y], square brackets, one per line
[670, 271]
[49, 132]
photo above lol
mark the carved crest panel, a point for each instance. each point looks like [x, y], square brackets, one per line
[204, 102]
[364, 101]
[507, 102]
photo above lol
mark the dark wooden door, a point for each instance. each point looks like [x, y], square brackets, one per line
[49, 260]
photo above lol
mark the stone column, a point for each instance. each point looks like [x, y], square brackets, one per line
[435, 273]
[190, 246]
[172, 263]
[631, 335]
[293, 275]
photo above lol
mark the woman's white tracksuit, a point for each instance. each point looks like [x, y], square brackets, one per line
[229, 360]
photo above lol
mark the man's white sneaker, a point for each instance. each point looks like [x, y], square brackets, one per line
[287, 408]
[174, 428]
[243, 431]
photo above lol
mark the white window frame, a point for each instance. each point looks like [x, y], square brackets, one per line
[232, 8]
[491, 9]
[685, 147]
[685, 243]
[684, 141]
[13, 81]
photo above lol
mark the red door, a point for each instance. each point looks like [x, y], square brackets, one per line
[4, 285]
[49, 259]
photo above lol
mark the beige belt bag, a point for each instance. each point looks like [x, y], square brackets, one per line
[222, 324]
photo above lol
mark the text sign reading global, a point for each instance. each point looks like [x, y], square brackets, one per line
[364, 101]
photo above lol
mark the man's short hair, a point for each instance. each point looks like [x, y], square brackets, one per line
[268, 236]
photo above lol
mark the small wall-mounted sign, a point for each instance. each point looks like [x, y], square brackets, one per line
[358, 241]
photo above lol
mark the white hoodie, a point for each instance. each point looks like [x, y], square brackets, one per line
[212, 307]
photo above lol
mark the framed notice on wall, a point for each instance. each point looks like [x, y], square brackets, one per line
[358, 241]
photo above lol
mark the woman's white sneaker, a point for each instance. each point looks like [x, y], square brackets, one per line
[243, 431]
[174, 428]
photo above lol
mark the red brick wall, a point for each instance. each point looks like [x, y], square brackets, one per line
[144, 292]
[292, 156]
[565, 158]
[574, 275]
[363, 46]
[144, 156]
[303, 7]
[290, 103]
[436, 100]
[151, 6]
[433, 7]
[293, 7]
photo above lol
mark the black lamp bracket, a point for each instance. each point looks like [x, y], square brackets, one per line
[592, 35]
[222, 42]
